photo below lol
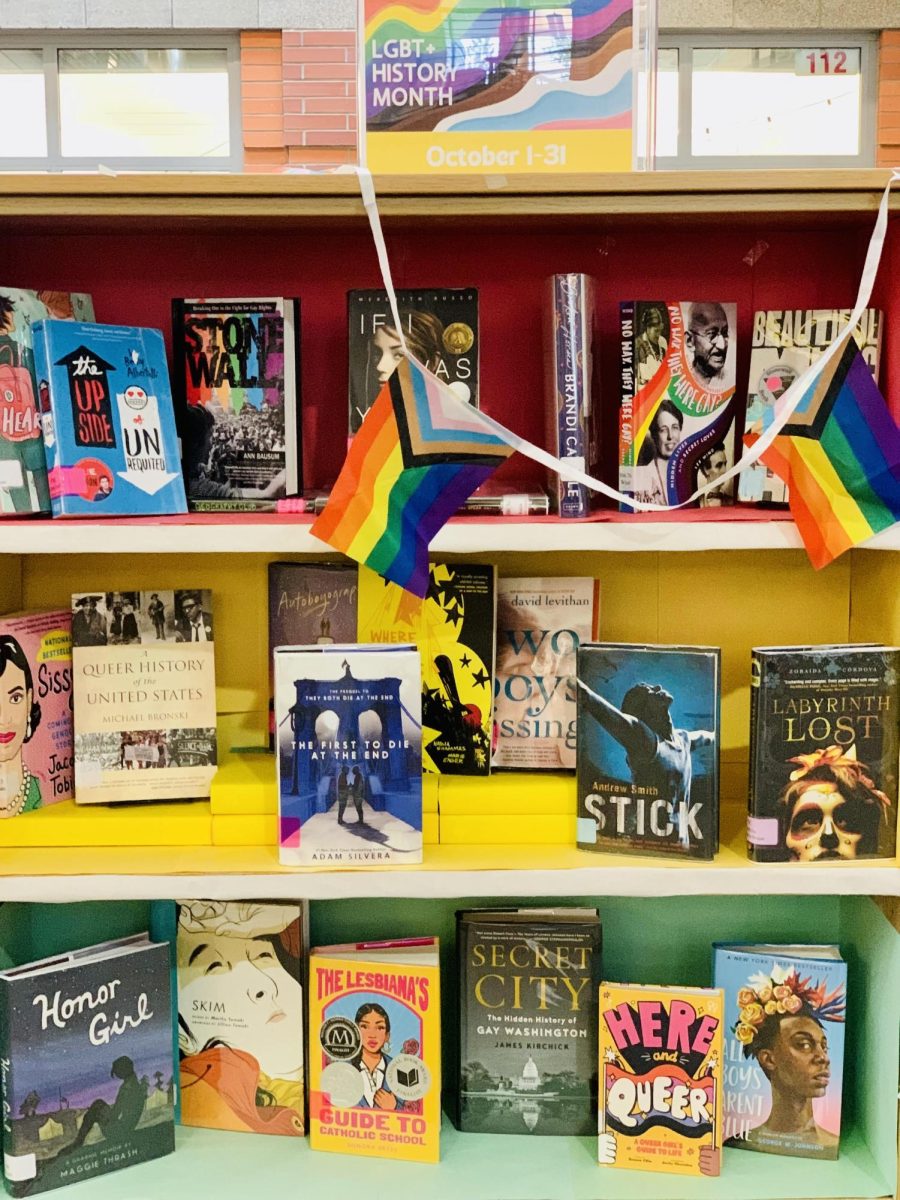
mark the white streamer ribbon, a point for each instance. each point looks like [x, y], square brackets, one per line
[782, 410]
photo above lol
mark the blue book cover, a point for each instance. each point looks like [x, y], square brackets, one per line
[109, 434]
[348, 730]
[784, 1047]
[87, 1068]
[647, 749]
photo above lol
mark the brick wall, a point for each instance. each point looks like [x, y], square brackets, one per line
[298, 98]
[889, 99]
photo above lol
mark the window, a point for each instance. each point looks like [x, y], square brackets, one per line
[135, 103]
[751, 100]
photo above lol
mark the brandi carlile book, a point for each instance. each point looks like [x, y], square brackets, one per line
[823, 752]
[541, 622]
[784, 1047]
[648, 749]
[453, 628]
[86, 1057]
[528, 1020]
[570, 417]
[375, 1049]
[36, 764]
[661, 1075]
[677, 425]
[144, 691]
[237, 383]
[348, 740]
[240, 1014]
[441, 330]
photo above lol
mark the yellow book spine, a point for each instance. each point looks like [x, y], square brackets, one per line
[374, 1058]
[661, 1079]
[512, 829]
[68, 824]
[430, 829]
[528, 792]
[430, 787]
[244, 830]
[245, 784]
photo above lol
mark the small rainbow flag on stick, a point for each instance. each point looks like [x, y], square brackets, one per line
[840, 456]
[417, 456]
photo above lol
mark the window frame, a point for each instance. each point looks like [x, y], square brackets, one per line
[55, 162]
[685, 43]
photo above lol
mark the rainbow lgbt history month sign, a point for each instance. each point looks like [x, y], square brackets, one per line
[456, 86]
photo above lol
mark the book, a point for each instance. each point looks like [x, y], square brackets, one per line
[237, 383]
[349, 748]
[528, 1020]
[648, 749]
[144, 690]
[454, 630]
[541, 622]
[240, 1014]
[498, 499]
[86, 1064]
[823, 752]
[569, 322]
[784, 1047]
[441, 330]
[36, 762]
[375, 1049]
[109, 425]
[661, 1078]
[310, 604]
[23, 468]
[677, 427]
[784, 343]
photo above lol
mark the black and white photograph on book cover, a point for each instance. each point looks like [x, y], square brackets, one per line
[134, 618]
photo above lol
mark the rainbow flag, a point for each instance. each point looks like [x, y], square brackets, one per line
[840, 456]
[418, 455]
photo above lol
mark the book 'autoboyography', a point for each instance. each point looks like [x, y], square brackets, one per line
[86, 1055]
[240, 1015]
[237, 384]
[648, 749]
[528, 1020]
[453, 628]
[661, 1074]
[784, 1047]
[36, 764]
[109, 429]
[375, 1049]
[541, 622]
[23, 467]
[824, 736]
[677, 415]
[144, 689]
[784, 343]
[440, 326]
[348, 725]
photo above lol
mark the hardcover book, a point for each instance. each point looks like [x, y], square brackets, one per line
[375, 1049]
[349, 749]
[240, 1015]
[23, 468]
[86, 1064]
[237, 383]
[661, 1078]
[441, 330]
[540, 625]
[569, 383]
[677, 417]
[109, 426]
[454, 630]
[36, 765]
[823, 753]
[144, 694]
[648, 749]
[784, 1047]
[784, 344]
[528, 1020]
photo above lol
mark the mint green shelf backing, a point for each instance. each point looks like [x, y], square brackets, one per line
[660, 940]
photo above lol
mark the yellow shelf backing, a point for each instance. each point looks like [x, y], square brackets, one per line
[511, 829]
[68, 824]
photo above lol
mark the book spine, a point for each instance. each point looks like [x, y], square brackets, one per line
[6, 1088]
[462, 1040]
[572, 400]
[43, 375]
[626, 401]
[293, 426]
[164, 929]
[753, 817]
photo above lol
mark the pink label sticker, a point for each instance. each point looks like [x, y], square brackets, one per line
[762, 831]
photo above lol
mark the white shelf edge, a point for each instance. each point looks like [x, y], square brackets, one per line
[148, 537]
[640, 882]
